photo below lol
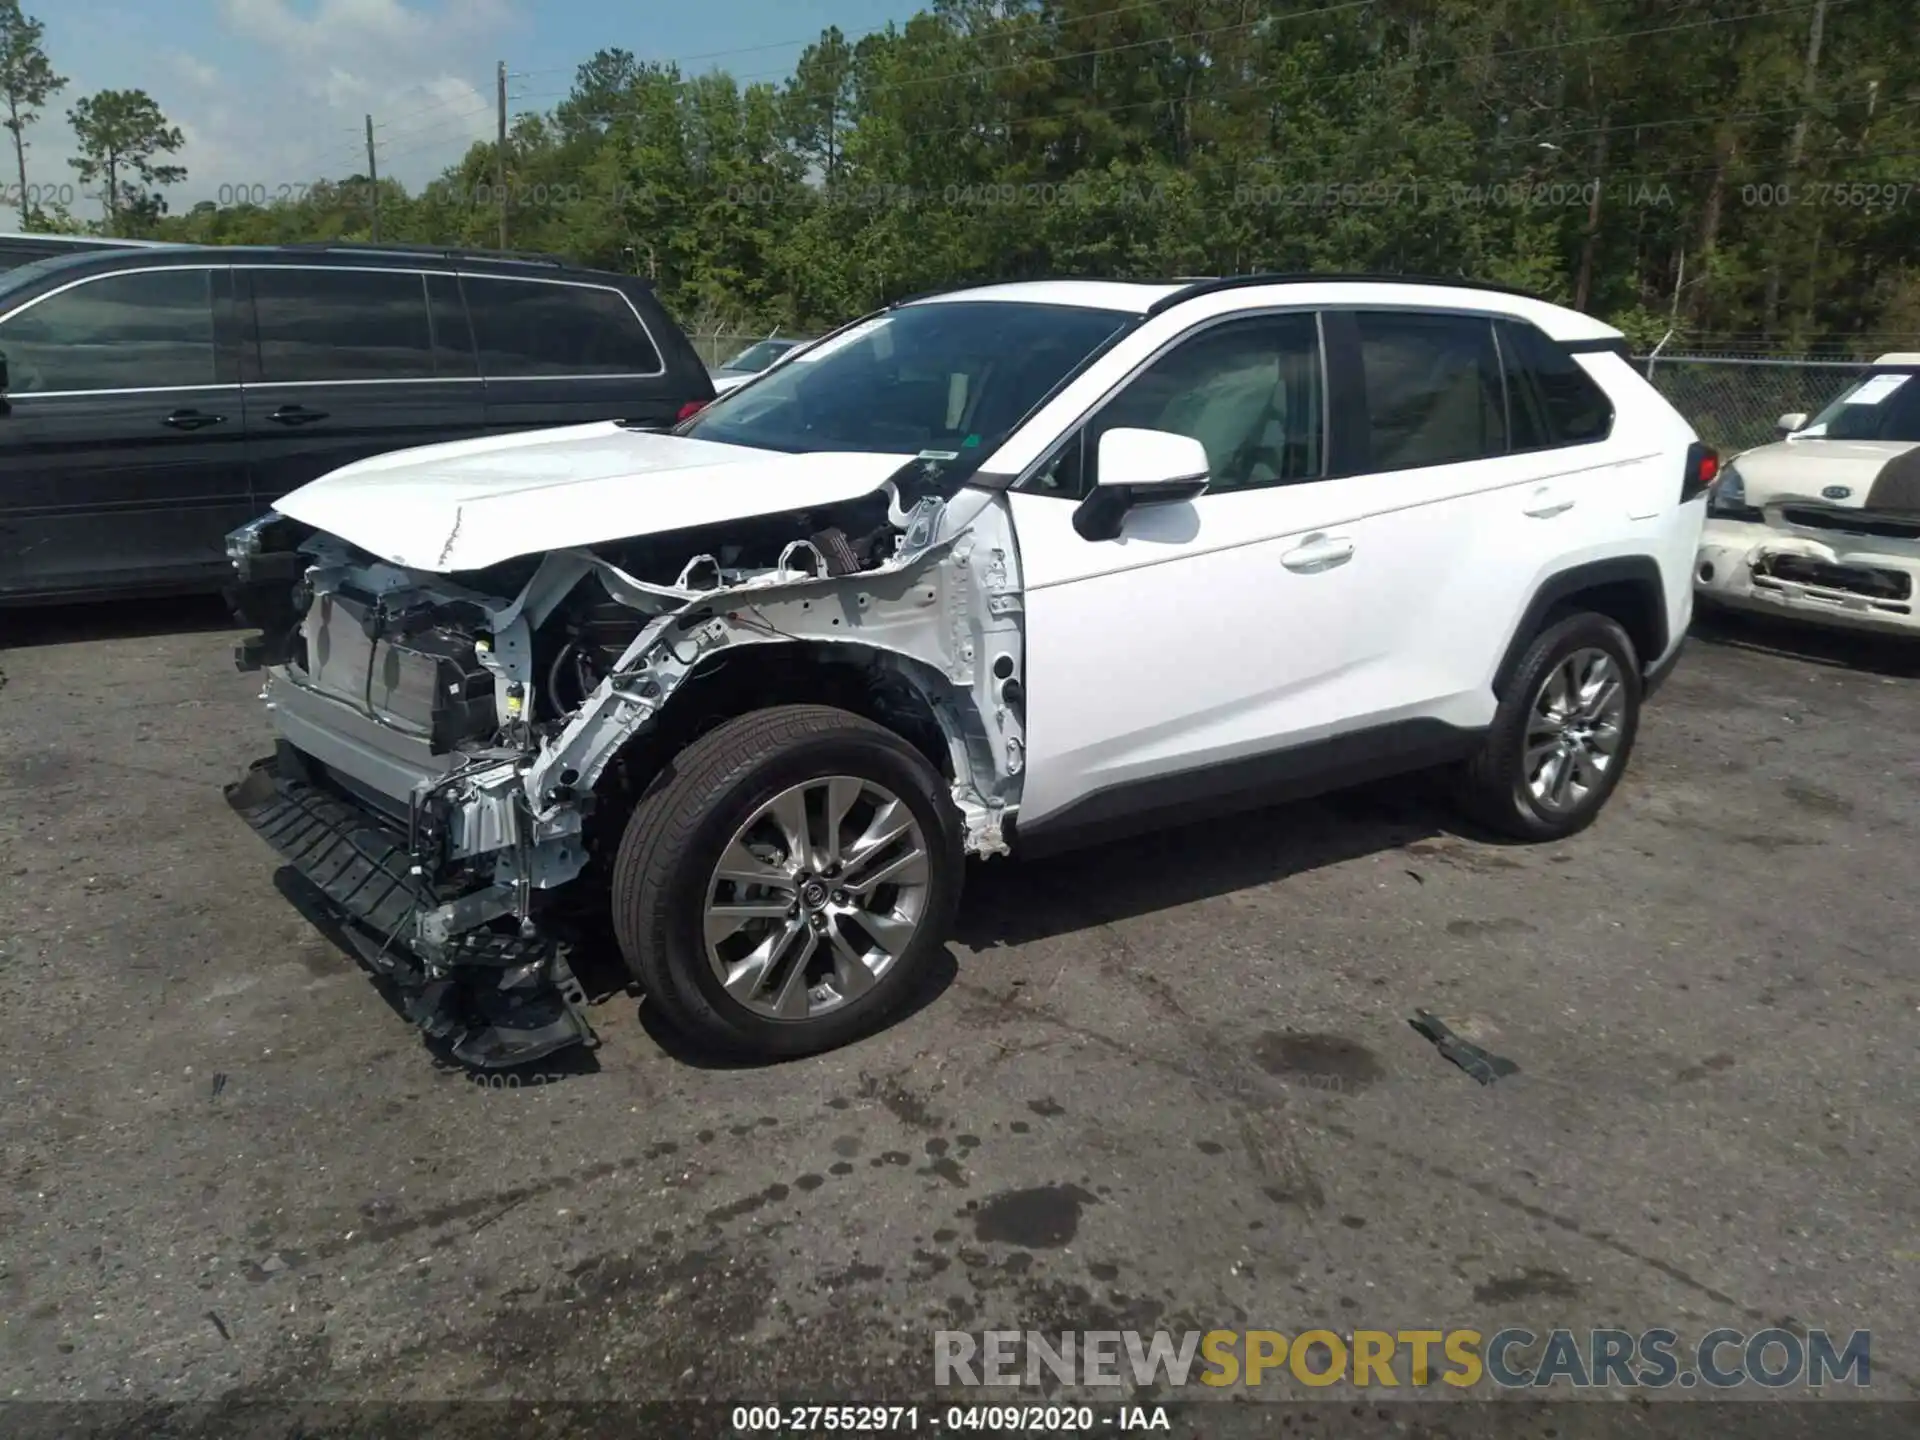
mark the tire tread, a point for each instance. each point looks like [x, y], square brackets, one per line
[663, 826]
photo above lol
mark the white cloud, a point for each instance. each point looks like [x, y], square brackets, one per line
[347, 25]
[194, 71]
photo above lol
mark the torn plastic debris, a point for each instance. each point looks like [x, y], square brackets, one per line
[1482, 1065]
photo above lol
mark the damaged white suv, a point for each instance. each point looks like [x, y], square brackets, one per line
[992, 570]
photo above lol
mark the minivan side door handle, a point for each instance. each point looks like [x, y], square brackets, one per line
[296, 415]
[193, 420]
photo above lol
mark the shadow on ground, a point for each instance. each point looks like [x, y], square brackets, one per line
[1017, 902]
[30, 625]
[1891, 655]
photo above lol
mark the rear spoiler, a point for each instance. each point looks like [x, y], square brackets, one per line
[1611, 345]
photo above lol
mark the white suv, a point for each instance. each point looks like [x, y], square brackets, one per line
[988, 571]
[1824, 525]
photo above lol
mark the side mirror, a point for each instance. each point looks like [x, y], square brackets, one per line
[1792, 421]
[1140, 467]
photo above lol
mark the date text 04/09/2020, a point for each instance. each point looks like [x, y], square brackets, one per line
[909, 1419]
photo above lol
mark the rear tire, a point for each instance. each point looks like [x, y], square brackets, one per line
[745, 896]
[1562, 735]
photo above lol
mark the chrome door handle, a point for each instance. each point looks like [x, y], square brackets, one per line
[1317, 553]
[296, 415]
[193, 420]
[1545, 504]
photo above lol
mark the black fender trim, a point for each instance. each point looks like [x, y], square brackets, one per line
[1249, 782]
[1640, 571]
[1659, 670]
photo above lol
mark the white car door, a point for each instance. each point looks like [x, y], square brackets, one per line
[1170, 661]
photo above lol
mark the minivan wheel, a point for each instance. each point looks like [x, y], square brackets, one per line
[1562, 734]
[782, 885]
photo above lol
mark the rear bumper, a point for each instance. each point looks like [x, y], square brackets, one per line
[497, 996]
[1852, 582]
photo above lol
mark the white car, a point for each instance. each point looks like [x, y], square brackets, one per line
[752, 361]
[997, 570]
[1825, 524]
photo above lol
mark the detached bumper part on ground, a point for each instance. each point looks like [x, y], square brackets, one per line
[495, 1000]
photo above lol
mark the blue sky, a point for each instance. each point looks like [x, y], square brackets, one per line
[272, 93]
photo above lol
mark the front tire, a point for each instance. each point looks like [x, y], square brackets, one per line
[1562, 735]
[782, 885]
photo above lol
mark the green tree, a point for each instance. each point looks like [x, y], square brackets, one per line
[122, 134]
[27, 82]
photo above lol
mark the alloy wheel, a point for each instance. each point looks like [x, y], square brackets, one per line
[816, 897]
[1574, 729]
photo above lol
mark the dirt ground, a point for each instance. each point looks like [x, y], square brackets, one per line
[1166, 1084]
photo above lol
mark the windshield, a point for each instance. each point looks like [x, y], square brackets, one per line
[1885, 405]
[945, 381]
[755, 358]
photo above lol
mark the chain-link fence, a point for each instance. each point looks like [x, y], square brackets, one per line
[1736, 401]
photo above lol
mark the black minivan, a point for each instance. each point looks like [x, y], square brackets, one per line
[152, 400]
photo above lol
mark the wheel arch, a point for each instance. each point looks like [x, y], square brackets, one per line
[1625, 588]
[873, 683]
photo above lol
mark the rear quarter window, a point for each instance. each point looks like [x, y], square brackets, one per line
[1552, 399]
[531, 328]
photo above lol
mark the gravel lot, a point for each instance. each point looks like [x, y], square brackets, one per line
[1164, 1084]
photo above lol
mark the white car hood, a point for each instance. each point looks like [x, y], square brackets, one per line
[474, 503]
[1806, 469]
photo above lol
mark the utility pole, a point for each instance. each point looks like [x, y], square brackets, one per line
[373, 181]
[500, 156]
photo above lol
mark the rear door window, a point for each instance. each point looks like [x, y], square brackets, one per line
[531, 328]
[1552, 400]
[139, 330]
[1433, 389]
[319, 325]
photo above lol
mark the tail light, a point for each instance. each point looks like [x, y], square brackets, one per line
[691, 409]
[1703, 468]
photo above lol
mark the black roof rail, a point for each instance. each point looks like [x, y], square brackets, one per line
[1311, 277]
[443, 252]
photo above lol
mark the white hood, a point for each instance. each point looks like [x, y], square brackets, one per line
[475, 503]
[1804, 469]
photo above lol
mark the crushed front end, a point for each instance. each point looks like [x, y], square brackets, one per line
[449, 746]
[1804, 557]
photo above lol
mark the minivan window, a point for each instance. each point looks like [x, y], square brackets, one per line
[139, 330]
[538, 327]
[1433, 389]
[317, 325]
[452, 335]
[1553, 401]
